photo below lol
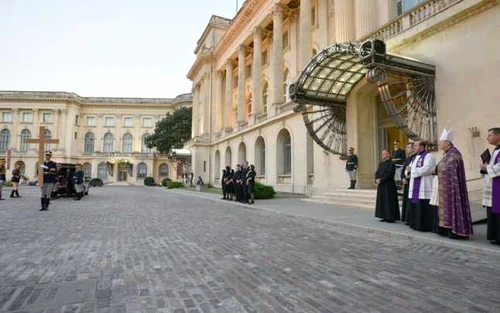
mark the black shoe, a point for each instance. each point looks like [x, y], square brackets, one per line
[17, 194]
[383, 220]
[12, 193]
[390, 221]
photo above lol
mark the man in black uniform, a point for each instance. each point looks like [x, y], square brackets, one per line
[244, 189]
[49, 178]
[398, 155]
[237, 182]
[351, 166]
[78, 181]
[223, 181]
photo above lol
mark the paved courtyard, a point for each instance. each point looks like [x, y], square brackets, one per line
[135, 249]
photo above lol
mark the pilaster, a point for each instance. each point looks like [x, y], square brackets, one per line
[241, 83]
[366, 17]
[277, 56]
[257, 72]
[305, 33]
[228, 104]
[344, 20]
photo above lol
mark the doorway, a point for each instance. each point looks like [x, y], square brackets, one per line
[122, 171]
[388, 132]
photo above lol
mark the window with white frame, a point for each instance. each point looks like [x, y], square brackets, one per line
[128, 143]
[46, 117]
[102, 171]
[4, 140]
[108, 143]
[142, 170]
[403, 6]
[90, 121]
[87, 169]
[147, 122]
[25, 135]
[128, 122]
[109, 121]
[144, 147]
[7, 117]
[27, 117]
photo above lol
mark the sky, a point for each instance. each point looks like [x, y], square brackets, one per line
[107, 48]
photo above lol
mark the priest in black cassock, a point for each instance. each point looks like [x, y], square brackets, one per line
[387, 208]
[405, 178]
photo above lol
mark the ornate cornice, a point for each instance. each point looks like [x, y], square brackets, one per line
[203, 58]
[73, 98]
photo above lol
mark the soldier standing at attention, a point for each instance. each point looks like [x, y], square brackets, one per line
[398, 155]
[351, 167]
[2, 176]
[78, 181]
[16, 178]
[49, 177]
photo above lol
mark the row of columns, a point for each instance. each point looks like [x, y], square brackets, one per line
[353, 19]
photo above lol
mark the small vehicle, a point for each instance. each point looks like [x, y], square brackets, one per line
[63, 186]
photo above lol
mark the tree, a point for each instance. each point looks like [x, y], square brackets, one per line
[172, 131]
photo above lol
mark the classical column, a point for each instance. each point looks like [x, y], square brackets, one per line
[207, 115]
[195, 129]
[257, 72]
[219, 112]
[277, 56]
[322, 13]
[202, 105]
[241, 83]
[366, 17]
[344, 20]
[305, 33]
[229, 92]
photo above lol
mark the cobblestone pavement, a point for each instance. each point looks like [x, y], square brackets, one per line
[133, 249]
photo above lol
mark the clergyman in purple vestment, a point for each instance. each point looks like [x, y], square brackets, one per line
[454, 208]
[491, 197]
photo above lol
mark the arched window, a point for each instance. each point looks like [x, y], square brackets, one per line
[87, 169]
[242, 153]
[108, 142]
[260, 156]
[25, 134]
[142, 170]
[48, 135]
[128, 142]
[102, 171]
[163, 170]
[229, 157]
[145, 148]
[88, 147]
[286, 95]
[284, 152]
[265, 97]
[4, 140]
[22, 165]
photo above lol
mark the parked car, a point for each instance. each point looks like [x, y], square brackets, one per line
[63, 173]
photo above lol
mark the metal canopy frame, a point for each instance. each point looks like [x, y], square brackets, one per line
[406, 88]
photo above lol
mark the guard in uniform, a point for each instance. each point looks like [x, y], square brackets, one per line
[16, 178]
[251, 183]
[244, 187]
[2, 176]
[223, 184]
[237, 182]
[351, 166]
[398, 155]
[49, 178]
[78, 181]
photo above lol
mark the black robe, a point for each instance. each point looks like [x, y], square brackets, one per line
[405, 215]
[387, 195]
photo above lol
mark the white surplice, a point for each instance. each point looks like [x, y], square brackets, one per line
[493, 171]
[425, 171]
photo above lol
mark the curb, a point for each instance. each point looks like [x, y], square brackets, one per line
[392, 234]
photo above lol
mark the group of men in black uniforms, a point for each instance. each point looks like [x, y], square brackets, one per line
[239, 185]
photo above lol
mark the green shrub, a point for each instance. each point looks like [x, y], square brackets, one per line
[149, 181]
[175, 184]
[209, 186]
[7, 184]
[264, 191]
[165, 181]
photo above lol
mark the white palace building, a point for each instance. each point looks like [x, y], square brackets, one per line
[289, 85]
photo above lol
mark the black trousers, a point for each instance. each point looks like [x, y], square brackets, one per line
[244, 189]
[224, 190]
[237, 191]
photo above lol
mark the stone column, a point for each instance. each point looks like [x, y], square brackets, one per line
[322, 12]
[257, 72]
[241, 83]
[219, 112]
[229, 92]
[305, 33]
[203, 92]
[366, 17]
[277, 56]
[195, 128]
[206, 105]
[344, 20]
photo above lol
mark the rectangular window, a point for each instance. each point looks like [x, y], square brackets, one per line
[76, 135]
[47, 117]
[285, 41]
[27, 117]
[147, 122]
[109, 121]
[7, 117]
[129, 121]
[404, 6]
[264, 58]
[90, 121]
[76, 119]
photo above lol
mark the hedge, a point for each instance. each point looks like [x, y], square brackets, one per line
[149, 181]
[165, 181]
[175, 184]
[264, 191]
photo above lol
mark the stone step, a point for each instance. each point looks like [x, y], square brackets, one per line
[346, 203]
[348, 195]
[357, 191]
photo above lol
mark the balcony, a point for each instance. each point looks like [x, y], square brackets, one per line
[285, 107]
[410, 19]
[118, 154]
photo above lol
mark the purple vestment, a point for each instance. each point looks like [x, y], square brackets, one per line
[454, 207]
[495, 190]
[418, 180]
